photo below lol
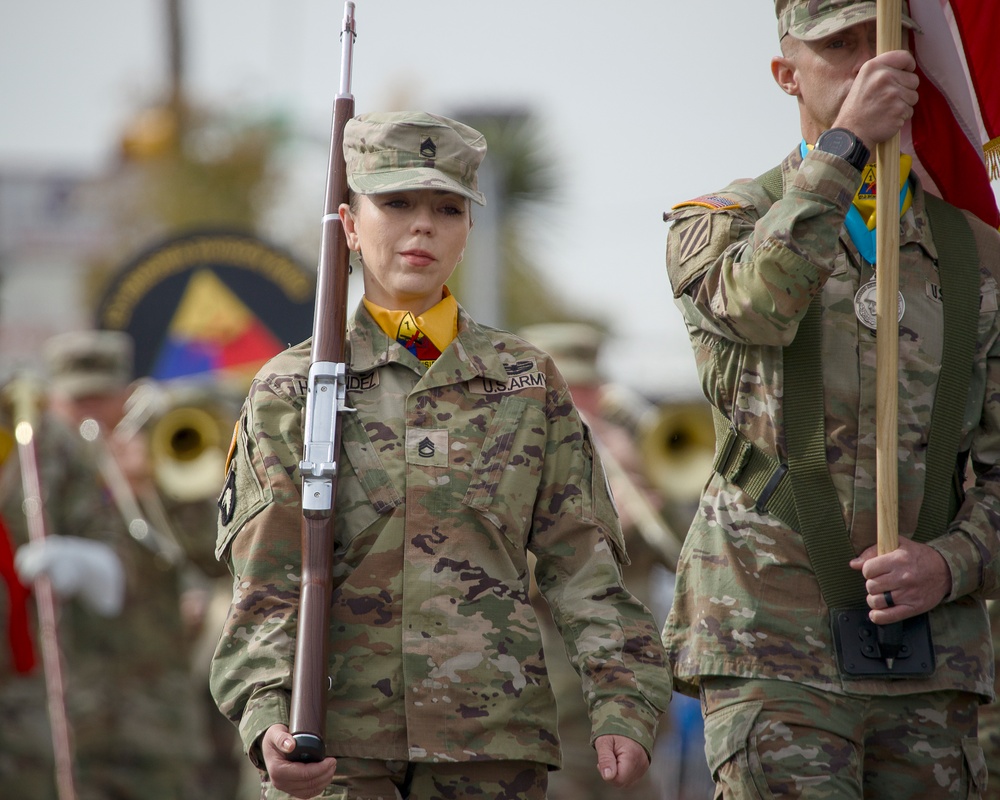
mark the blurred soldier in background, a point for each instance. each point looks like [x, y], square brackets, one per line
[85, 573]
[652, 545]
[140, 720]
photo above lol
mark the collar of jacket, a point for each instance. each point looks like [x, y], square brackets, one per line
[471, 355]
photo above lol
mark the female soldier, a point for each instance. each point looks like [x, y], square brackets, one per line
[463, 452]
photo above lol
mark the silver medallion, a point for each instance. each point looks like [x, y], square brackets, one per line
[865, 305]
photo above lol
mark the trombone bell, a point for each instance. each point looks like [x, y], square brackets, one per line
[188, 457]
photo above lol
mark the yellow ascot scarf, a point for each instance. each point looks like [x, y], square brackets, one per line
[860, 219]
[864, 198]
[427, 335]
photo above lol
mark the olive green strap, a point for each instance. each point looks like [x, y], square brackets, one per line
[822, 521]
[802, 494]
[758, 474]
[958, 271]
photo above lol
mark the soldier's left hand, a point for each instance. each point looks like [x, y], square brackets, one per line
[915, 577]
[620, 760]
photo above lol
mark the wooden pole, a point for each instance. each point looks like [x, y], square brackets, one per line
[889, 22]
[25, 397]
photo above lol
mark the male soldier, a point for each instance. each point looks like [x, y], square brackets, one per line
[140, 730]
[767, 275]
[85, 574]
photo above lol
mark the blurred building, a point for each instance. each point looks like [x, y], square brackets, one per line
[50, 227]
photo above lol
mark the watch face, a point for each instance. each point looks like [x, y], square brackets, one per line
[837, 141]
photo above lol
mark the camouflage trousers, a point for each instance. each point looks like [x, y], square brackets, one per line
[369, 779]
[770, 738]
[989, 715]
[989, 737]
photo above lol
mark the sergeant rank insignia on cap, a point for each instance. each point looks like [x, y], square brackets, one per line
[428, 150]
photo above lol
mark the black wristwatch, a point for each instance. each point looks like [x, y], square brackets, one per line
[841, 142]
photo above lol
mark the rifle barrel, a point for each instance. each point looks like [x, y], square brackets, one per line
[325, 401]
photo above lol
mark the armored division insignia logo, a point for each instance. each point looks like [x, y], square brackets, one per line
[209, 303]
[868, 184]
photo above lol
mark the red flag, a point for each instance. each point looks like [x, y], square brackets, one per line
[954, 135]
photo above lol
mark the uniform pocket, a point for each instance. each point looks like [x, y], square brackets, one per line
[364, 489]
[504, 498]
[598, 500]
[731, 759]
[975, 764]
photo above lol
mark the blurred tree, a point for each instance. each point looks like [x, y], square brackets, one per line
[182, 166]
[523, 184]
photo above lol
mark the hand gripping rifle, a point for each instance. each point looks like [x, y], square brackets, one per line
[326, 399]
[25, 397]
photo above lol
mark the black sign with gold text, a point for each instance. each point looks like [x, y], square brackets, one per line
[209, 302]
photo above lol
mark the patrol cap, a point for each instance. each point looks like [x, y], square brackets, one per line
[399, 150]
[809, 20]
[574, 347]
[83, 363]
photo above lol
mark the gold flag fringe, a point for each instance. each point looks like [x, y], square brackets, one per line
[992, 152]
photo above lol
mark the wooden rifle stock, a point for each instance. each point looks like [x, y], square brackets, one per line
[25, 396]
[325, 401]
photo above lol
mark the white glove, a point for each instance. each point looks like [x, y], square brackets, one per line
[76, 566]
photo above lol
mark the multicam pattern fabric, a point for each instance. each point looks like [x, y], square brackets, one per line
[747, 602]
[449, 476]
[399, 151]
[781, 739]
[989, 715]
[813, 19]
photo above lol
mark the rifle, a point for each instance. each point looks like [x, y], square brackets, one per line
[325, 401]
[25, 395]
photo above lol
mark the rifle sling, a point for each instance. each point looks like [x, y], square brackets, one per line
[801, 493]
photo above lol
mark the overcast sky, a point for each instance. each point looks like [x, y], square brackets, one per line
[642, 103]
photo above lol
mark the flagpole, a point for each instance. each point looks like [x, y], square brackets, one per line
[889, 22]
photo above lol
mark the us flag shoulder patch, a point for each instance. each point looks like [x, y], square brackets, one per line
[716, 202]
[694, 237]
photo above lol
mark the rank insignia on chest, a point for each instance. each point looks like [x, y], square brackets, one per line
[427, 448]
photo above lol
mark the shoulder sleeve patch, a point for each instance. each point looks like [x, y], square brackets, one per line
[693, 238]
[693, 243]
[701, 229]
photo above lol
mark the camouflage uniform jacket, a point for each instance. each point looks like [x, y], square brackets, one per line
[449, 476]
[747, 601]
